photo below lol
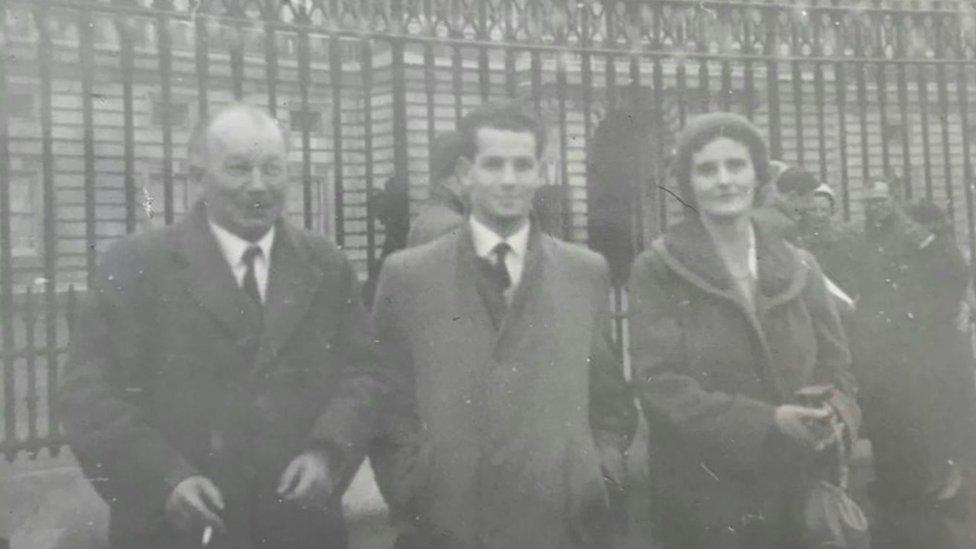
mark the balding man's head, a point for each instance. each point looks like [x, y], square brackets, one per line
[239, 156]
[199, 144]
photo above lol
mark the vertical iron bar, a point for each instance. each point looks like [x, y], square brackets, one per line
[902, 77]
[30, 359]
[536, 86]
[6, 260]
[943, 94]
[586, 79]
[796, 75]
[772, 83]
[610, 71]
[703, 72]
[862, 103]
[511, 78]
[484, 70]
[748, 77]
[366, 67]
[457, 81]
[271, 55]
[882, 84]
[840, 81]
[563, 146]
[335, 73]
[819, 93]
[657, 78]
[401, 167]
[45, 61]
[923, 111]
[127, 67]
[87, 59]
[165, 54]
[962, 87]
[202, 61]
[237, 56]
[430, 76]
[705, 100]
[400, 152]
[725, 96]
[637, 211]
[304, 81]
[681, 88]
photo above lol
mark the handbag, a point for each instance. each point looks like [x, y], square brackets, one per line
[831, 519]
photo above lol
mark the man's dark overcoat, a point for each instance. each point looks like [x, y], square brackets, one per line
[171, 374]
[710, 370]
[517, 404]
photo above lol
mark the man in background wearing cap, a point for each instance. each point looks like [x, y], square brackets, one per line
[915, 370]
[789, 192]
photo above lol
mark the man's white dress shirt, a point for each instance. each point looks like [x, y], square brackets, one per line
[234, 247]
[485, 241]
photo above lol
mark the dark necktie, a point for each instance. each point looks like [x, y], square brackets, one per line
[501, 271]
[250, 283]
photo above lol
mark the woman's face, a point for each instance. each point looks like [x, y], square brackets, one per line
[723, 178]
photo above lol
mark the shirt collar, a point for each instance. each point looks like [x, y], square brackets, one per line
[234, 246]
[486, 239]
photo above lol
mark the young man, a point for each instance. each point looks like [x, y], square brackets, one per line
[498, 331]
[213, 392]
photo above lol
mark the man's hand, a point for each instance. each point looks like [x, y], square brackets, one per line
[194, 504]
[810, 427]
[307, 480]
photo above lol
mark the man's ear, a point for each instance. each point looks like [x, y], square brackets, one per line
[462, 168]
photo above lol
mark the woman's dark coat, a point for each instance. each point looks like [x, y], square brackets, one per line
[711, 369]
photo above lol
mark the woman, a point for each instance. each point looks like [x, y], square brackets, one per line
[731, 327]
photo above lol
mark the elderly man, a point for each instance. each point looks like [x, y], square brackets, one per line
[216, 390]
[497, 330]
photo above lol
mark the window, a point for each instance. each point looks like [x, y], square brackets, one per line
[178, 115]
[25, 202]
[20, 105]
[310, 119]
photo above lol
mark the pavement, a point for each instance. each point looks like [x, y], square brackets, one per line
[45, 503]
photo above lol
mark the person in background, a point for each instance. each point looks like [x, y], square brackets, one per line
[219, 389]
[785, 199]
[445, 209]
[827, 239]
[730, 328]
[391, 207]
[916, 372]
[514, 411]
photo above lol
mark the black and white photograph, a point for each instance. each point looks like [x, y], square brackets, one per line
[487, 274]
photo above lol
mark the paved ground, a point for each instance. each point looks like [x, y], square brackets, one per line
[46, 504]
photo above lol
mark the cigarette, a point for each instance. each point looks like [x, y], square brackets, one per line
[207, 534]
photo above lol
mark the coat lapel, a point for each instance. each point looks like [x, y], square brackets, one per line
[209, 280]
[292, 284]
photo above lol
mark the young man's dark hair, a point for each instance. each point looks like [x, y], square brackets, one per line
[513, 116]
